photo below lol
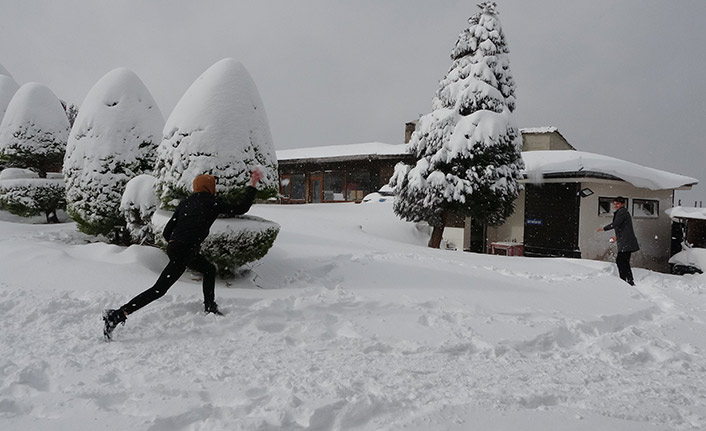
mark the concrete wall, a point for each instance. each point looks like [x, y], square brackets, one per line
[544, 141]
[513, 229]
[653, 234]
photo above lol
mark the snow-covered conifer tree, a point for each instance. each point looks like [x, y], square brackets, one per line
[4, 71]
[8, 88]
[219, 127]
[468, 148]
[114, 139]
[34, 130]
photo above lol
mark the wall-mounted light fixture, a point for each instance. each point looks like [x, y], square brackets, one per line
[586, 192]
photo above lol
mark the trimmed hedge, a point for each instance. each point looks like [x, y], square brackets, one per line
[28, 197]
[232, 242]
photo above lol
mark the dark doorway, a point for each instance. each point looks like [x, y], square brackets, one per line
[552, 220]
[478, 235]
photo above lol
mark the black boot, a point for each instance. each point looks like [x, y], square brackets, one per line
[212, 307]
[111, 318]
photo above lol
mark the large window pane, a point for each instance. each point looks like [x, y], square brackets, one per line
[298, 184]
[358, 185]
[333, 186]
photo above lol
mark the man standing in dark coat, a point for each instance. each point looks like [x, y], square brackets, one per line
[185, 232]
[627, 242]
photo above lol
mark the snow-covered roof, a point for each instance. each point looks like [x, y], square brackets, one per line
[341, 151]
[557, 162]
[537, 163]
[687, 212]
[548, 129]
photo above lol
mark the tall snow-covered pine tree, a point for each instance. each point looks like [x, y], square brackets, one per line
[468, 148]
[114, 139]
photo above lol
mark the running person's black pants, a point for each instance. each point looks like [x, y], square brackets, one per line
[181, 256]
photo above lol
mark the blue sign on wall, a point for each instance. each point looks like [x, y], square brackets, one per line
[534, 221]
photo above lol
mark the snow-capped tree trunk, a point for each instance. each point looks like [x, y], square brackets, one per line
[437, 234]
[468, 148]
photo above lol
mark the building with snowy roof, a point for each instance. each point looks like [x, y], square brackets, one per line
[337, 173]
[567, 195]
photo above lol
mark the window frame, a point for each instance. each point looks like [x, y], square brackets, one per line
[610, 203]
[637, 213]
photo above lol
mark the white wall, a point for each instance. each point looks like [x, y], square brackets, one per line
[513, 230]
[653, 235]
[453, 238]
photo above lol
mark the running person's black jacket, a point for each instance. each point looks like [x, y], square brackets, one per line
[194, 216]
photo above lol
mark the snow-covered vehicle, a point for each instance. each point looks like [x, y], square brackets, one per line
[688, 261]
[384, 194]
[689, 225]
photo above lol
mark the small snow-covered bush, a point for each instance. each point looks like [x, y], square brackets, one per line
[137, 206]
[28, 197]
[232, 242]
[245, 239]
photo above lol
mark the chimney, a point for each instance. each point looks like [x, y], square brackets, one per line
[409, 128]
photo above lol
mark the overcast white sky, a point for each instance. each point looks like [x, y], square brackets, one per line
[621, 78]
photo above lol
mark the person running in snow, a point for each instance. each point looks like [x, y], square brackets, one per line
[185, 232]
[627, 242]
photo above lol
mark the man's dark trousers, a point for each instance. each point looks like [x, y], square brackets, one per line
[623, 262]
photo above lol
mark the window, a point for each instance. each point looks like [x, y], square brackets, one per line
[333, 186]
[293, 187]
[605, 206]
[358, 185]
[298, 183]
[645, 208]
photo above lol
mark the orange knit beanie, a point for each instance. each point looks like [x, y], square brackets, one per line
[205, 183]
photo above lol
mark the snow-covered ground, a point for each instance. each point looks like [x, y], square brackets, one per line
[349, 323]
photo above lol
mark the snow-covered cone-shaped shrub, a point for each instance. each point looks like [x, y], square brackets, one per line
[468, 148]
[34, 130]
[23, 193]
[220, 128]
[4, 71]
[138, 205]
[8, 88]
[113, 140]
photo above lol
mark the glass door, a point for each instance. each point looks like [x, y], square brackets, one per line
[315, 190]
